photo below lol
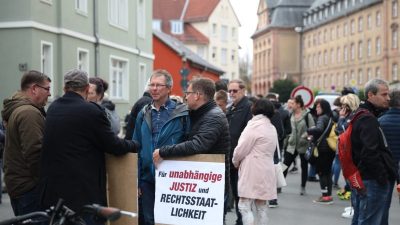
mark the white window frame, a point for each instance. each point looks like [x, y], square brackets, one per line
[395, 71]
[141, 18]
[142, 78]
[224, 33]
[124, 84]
[156, 24]
[378, 72]
[214, 29]
[224, 55]
[369, 46]
[378, 18]
[48, 68]
[82, 65]
[395, 9]
[369, 21]
[378, 46]
[81, 7]
[360, 24]
[360, 76]
[176, 26]
[118, 14]
[395, 38]
[360, 50]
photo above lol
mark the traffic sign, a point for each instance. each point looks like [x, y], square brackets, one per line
[305, 93]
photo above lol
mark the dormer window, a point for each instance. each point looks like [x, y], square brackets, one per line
[176, 26]
[157, 25]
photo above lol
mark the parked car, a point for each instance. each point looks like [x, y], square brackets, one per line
[330, 97]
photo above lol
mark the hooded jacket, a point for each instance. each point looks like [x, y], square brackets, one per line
[24, 123]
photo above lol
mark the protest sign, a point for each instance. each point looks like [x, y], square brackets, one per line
[189, 192]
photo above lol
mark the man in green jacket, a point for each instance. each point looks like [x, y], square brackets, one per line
[24, 118]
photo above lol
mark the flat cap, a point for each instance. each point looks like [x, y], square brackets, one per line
[76, 78]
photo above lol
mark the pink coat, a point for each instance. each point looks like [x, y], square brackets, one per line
[254, 155]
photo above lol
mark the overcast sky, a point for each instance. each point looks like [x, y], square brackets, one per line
[246, 10]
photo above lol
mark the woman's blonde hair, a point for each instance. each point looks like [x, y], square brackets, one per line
[350, 100]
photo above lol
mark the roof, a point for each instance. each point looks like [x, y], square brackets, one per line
[181, 49]
[200, 10]
[168, 10]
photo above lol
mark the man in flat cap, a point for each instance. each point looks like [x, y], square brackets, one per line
[77, 134]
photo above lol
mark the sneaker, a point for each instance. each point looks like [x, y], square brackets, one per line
[293, 170]
[273, 203]
[302, 191]
[345, 196]
[348, 213]
[327, 200]
[348, 208]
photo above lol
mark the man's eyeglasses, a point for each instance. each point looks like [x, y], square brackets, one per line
[157, 85]
[233, 91]
[45, 88]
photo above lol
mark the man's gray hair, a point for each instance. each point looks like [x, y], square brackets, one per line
[394, 98]
[373, 86]
[76, 80]
[164, 73]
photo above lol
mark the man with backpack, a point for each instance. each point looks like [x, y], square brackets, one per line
[371, 156]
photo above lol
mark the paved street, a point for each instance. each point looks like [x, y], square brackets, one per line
[293, 209]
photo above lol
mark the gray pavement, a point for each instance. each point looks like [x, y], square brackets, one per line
[293, 209]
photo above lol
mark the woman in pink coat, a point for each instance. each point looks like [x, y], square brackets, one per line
[254, 157]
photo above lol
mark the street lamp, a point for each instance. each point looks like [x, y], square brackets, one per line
[299, 30]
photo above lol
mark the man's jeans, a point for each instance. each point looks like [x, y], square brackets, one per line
[26, 203]
[147, 200]
[370, 207]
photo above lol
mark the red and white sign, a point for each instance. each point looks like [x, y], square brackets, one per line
[305, 93]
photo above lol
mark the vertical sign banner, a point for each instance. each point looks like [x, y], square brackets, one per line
[189, 192]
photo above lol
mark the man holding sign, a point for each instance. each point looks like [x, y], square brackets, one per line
[209, 127]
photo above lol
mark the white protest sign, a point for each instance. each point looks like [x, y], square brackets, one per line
[189, 192]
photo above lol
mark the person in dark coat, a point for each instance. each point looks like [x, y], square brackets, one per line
[77, 134]
[130, 126]
[372, 157]
[238, 114]
[390, 125]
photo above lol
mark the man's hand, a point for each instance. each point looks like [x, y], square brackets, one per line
[156, 157]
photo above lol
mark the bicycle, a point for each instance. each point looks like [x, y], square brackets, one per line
[62, 215]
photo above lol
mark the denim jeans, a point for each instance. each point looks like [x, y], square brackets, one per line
[370, 207]
[26, 203]
[336, 169]
[147, 199]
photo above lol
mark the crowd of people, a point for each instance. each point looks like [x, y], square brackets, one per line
[61, 153]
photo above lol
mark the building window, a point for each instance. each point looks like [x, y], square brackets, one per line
[83, 59]
[369, 73]
[142, 79]
[234, 33]
[360, 77]
[233, 56]
[338, 31]
[338, 55]
[353, 2]
[320, 59]
[326, 57]
[332, 9]
[378, 18]
[81, 6]
[224, 33]
[395, 37]
[332, 56]
[353, 26]
[345, 29]
[326, 12]
[214, 54]
[369, 47]
[339, 6]
[345, 54]
[214, 30]
[202, 51]
[177, 26]
[118, 78]
[118, 13]
[395, 75]
[352, 51]
[156, 25]
[360, 24]
[141, 18]
[345, 78]
[224, 53]
[378, 46]
[369, 21]
[346, 4]
[394, 8]
[378, 72]
[47, 62]
[360, 50]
